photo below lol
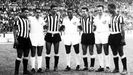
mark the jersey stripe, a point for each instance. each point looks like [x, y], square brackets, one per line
[116, 23]
[53, 22]
[87, 24]
[23, 27]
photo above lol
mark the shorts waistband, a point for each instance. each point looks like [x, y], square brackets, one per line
[53, 32]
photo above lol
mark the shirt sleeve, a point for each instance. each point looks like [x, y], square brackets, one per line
[16, 23]
[94, 21]
[78, 22]
[46, 19]
[63, 21]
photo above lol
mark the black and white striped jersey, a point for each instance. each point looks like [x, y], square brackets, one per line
[23, 27]
[116, 24]
[52, 22]
[87, 24]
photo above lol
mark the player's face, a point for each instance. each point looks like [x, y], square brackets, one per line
[112, 11]
[84, 12]
[53, 10]
[24, 13]
[70, 13]
[100, 10]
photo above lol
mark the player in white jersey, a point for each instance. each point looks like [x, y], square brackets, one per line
[101, 21]
[37, 40]
[71, 37]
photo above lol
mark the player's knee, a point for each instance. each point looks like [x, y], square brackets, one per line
[48, 51]
[99, 51]
[106, 53]
[67, 52]
[76, 48]
[68, 49]
[56, 51]
[19, 56]
[33, 54]
[91, 52]
[77, 51]
[115, 53]
[84, 52]
[121, 54]
[39, 53]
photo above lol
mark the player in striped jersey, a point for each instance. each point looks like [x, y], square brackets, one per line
[71, 37]
[101, 21]
[22, 42]
[52, 36]
[87, 38]
[117, 38]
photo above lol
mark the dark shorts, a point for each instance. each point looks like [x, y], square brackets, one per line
[115, 39]
[23, 43]
[52, 38]
[88, 39]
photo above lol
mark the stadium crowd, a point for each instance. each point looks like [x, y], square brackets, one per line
[9, 12]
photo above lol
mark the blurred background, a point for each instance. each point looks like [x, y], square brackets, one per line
[10, 9]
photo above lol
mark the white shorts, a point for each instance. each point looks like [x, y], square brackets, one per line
[71, 39]
[37, 39]
[101, 37]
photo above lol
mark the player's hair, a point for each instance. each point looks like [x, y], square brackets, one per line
[112, 6]
[85, 8]
[24, 9]
[70, 9]
[52, 6]
[100, 6]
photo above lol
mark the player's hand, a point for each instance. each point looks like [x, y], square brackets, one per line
[62, 28]
[15, 44]
[45, 27]
[123, 42]
[80, 28]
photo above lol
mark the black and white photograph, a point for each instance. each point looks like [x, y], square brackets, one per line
[66, 37]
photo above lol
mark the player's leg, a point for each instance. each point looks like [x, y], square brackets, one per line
[68, 56]
[76, 48]
[56, 41]
[25, 62]
[33, 39]
[56, 57]
[48, 51]
[98, 41]
[84, 44]
[91, 42]
[107, 57]
[115, 58]
[85, 59]
[33, 53]
[39, 58]
[92, 57]
[123, 59]
[18, 61]
[100, 57]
